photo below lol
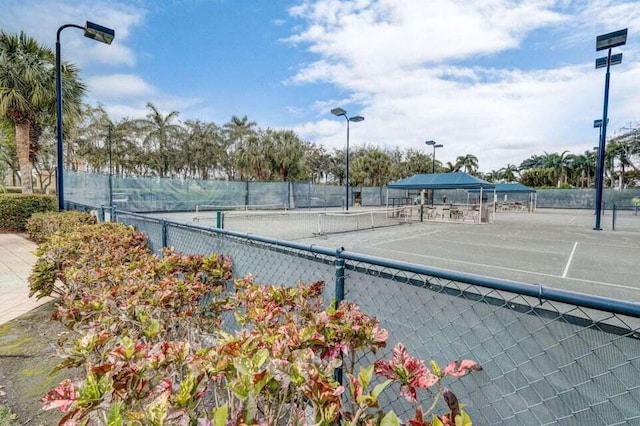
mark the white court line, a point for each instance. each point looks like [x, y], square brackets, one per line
[566, 268]
[394, 240]
[521, 237]
[508, 269]
[572, 219]
[468, 244]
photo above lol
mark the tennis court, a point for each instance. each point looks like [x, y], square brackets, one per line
[556, 248]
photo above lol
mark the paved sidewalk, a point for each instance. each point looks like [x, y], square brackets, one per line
[16, 261]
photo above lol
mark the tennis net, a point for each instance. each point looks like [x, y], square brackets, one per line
[338, 222]
[297, 224]
[210, 211]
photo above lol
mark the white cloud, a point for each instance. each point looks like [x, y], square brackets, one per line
[187, 107]
[387, 33]
[41, 20]
[401, 62]
[116, 86]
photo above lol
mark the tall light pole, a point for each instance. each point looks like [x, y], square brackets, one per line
[598, 124]
[110, 168]
[433, 157]
[340, 112]
[95, 32]
[605, 41]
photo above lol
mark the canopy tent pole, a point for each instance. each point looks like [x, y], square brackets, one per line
[480, 215]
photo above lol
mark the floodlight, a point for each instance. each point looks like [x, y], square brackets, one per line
[610, 40]
[99, 33]
[615, 60]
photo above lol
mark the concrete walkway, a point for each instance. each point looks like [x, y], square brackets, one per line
[16, 261]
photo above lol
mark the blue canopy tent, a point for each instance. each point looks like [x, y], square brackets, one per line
[456, 180]
[433, 181]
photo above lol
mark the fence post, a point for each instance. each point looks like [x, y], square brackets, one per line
[339, 297]
[101, 213]
[614, 213]
[112, 214]
[164, 234]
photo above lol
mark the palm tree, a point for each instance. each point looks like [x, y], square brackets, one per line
[493, 176]
[451, 167]
[533, 162]
[235, 131]
[286, 153]
[160, 137]
[583, 167]
[202, 151]
[28, 95]
[508, 173]
[372, 167]
[469, 162]
[559, 163]
[251, 158]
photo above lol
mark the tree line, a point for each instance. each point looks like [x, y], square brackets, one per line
[160, 145]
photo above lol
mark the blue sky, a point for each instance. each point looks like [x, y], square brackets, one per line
[500, 79]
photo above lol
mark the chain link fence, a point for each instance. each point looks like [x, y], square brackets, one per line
[549, 356]
[148, 194]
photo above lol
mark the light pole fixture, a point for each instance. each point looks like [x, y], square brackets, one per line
[605, 41]
[433, 157]
[341, 112]
[95, 32]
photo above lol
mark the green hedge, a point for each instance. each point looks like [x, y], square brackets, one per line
[42, 225]
[15, 209]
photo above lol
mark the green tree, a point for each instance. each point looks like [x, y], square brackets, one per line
[538, 177]
[8, 157]
[508, 173]
[559, 163]
[493, 176]
[28, 95]
[235, 131]
[286, 153]
[337, 168]
[371, 167]
[202, 150]
[469, 162]
[532, 162]
[582, 169]
[451, 167]
[252, 157]
[160, 138]
[317, 162]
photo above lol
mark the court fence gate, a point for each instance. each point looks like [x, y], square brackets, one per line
[549, 356]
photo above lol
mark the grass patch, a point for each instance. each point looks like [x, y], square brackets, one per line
[27, 357]
[7, 418]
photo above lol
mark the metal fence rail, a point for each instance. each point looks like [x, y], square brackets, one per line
[549, 356]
